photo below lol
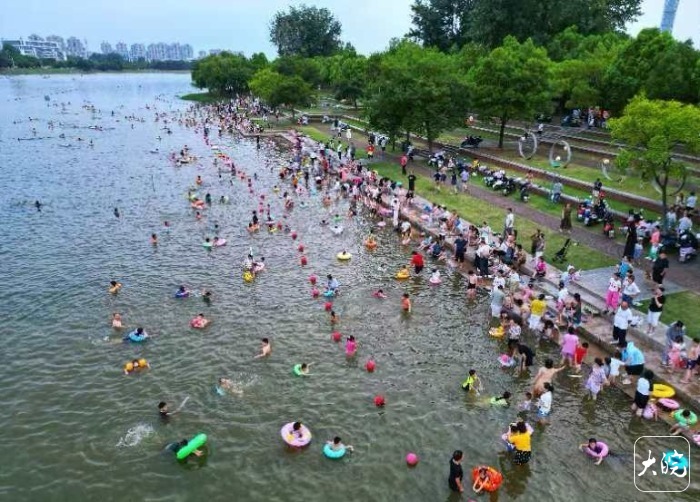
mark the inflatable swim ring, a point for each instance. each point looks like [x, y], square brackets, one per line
[135, 337]
[668, 404]
[258, 267]
[381, 224]
[509, 445]
[603, 450]
[337, 230]
[329, 293]
[506, 361]
[498, 402]
[329, 452]
[292, 439]
[434, 281]
[220, 242]
[182, 294]
[371, 245]
[343, 256]
[496, 332]
[194, 443]
[691, 420]
[297, 370]
[649, 411]
[403, 274]
[696, 438]
[207, 245]
[248, 276]
[661, 390]
[494, 478]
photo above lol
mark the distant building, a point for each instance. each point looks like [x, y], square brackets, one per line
[106, 48]
[122, 50]
[37, 47]
[58, 40]
[202, 54]
[138, 51]
[76, 48]
[186, 52]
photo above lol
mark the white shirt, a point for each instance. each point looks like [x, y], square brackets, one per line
[631, 289]
[545, 402]
[643, 386]
[484, 250]
[622, 318]
[684, 224]
[510, 220]
[614, 285]
[499, 281]
[691, 201]
[615, 366]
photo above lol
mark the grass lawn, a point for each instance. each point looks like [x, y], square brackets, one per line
[679, 307]
[476, 211]
[203, 97]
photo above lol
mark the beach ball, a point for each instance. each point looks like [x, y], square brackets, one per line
[300, 248]
[369, 366]
[303, 261]
[328, 306]
[315, 292]
[379, 401]
[294, 236]
[412, 459]
[336, 336]
[313, 279]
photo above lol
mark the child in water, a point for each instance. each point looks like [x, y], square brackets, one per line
[527, 403]
[334, 318]
[154, 239]
[266, 349]
[472, 383]
[114, 287]
[406, 303]
[337, 444]
[502, 400]
[379, 294]
[304, 369]
[435, 276]
[117, 321]
[350, 346]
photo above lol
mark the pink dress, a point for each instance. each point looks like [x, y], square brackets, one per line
[568, 346]
[350, 347]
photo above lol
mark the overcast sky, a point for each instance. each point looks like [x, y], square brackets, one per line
[241, 24]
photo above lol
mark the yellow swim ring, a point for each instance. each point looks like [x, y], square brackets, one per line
[403, 274]
[343, 256]
[660, 390]
[497, 332]
[248, 276]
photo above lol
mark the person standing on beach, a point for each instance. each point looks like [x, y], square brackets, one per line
[565, 224]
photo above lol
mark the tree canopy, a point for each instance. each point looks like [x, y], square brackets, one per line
[223, 73]
[652, 129]
[277, 89]
[447, 23]
[512, 81]
[305, 31]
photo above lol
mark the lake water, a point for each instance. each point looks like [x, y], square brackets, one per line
[74, 427]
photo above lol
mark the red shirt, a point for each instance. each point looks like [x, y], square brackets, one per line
[417, 260]
[404, 160]
[579, 354]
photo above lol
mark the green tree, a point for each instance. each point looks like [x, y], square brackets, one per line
[225, 73]
[443, 24]
[652, 129]
[656, 64]
[346, 74]
[280, 90]
[305, 31]
[414, 89]
[513, 81]
[258, 61]
[306, 68]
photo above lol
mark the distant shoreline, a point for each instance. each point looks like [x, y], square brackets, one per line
[75, 71]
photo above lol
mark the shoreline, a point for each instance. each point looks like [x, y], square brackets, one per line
[11, 72]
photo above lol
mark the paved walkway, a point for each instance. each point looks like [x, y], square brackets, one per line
[597, 280]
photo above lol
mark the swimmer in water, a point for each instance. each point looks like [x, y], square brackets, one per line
[230, 386]
[116, 212]
[206, 297]
[503, 399]
[337, 444]
[175, 447]
[117, 321]
[163, 411]
[406, 303]
[154, 239]
[38, 205]
[350, 346]
[334, 317]
[114, 287]
[304, 369]
[379, 294]
[266, 349]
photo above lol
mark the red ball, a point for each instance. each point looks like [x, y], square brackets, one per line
[303, 260]
[336, 336]
[328, 306]
[369, 366]
[294, 236]
[315, 292]
[301, 248]
[313, 279]
[379, 401]
[279, 226]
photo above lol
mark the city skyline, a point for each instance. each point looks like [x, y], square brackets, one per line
[241, 26]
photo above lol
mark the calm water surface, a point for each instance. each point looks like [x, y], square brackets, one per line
[73, 427]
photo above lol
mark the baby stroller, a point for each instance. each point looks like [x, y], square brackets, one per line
[560, 255]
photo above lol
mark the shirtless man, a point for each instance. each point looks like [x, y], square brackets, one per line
[266, 349]
[544, 374]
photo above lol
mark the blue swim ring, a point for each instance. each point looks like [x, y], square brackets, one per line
[179, 294]
[329, 293]
[334, 454]
[135, 337]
